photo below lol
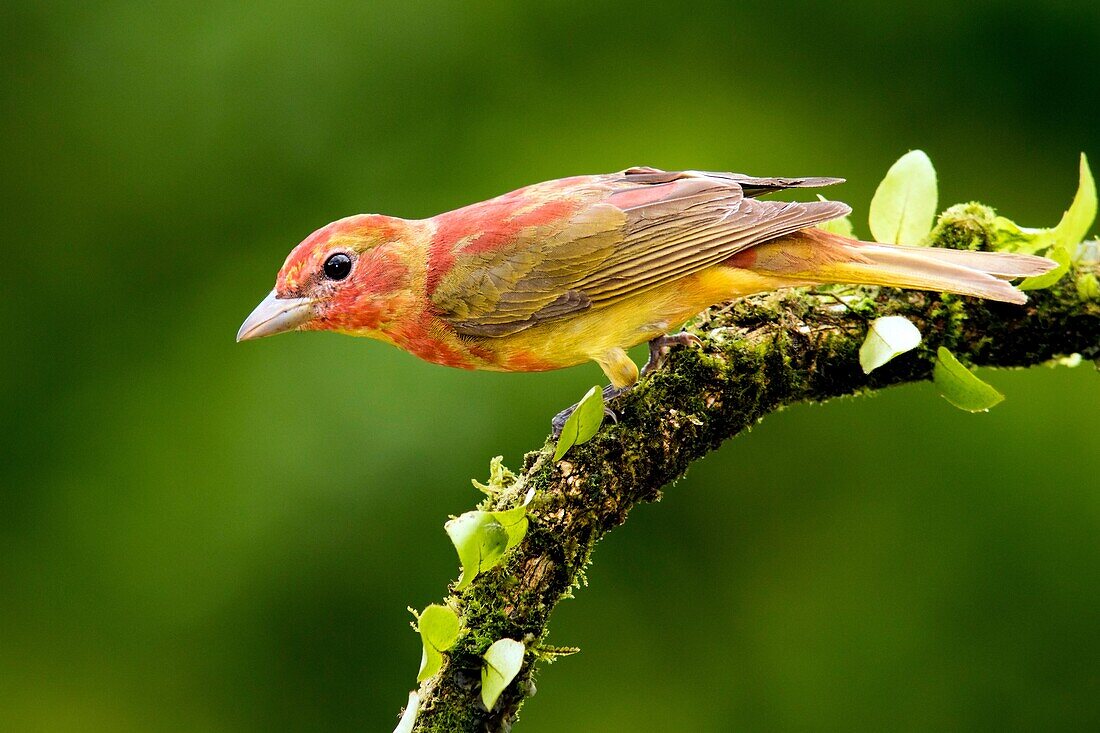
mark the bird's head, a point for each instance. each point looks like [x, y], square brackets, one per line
[343, 277]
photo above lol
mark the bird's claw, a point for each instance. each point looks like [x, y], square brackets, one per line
[660, 347]
[609, 393]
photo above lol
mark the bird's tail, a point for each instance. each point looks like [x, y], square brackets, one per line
[816, 256]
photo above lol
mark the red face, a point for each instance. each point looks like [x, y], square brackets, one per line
[338, 278]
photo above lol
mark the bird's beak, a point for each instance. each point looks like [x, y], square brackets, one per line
[275, 315]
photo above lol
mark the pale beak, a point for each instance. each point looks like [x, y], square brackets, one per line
[275, 315]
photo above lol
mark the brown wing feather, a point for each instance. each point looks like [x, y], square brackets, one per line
[649, 228]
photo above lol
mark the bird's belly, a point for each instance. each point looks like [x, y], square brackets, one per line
[588, 335]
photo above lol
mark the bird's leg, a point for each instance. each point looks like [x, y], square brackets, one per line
[660, 346]
[610, 392]
[623, 372]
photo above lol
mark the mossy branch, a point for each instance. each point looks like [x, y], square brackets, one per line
[759, 355]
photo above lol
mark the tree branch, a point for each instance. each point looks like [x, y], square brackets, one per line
[759, 355]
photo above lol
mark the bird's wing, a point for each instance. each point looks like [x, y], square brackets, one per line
[555, 249]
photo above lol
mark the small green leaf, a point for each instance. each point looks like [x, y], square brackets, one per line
[1009, 236]
[960, 387]
[1038, 282]
[582, 424]
[841, 226]
[482, 539]
[503, 661]
[1076, 222]
[408, 718]
[438, 627]
[514, 521]
[1060, 243]
[887, 337]
[904, 205]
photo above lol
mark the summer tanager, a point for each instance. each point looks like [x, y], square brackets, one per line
[583, 268]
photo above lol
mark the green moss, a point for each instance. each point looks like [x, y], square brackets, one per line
[965, 226]
[947, 319]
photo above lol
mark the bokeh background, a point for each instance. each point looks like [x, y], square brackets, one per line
[197, 535]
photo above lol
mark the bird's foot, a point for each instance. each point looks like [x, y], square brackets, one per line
[609, 393]
[662, 345]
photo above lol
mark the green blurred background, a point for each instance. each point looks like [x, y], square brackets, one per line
[197, 535]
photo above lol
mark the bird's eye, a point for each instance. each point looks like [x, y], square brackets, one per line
[337, 266]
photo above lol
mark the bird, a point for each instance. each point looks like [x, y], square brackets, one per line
[581, 269]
